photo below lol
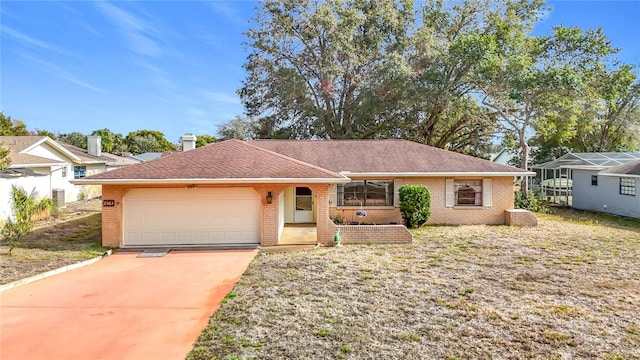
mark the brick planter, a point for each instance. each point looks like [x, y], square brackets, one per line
[374, 234]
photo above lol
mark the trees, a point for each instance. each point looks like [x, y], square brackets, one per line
[202, 140]
[5, 160]
[537, 80]
[455, 43]
[142, 141]
[111, 142]
[238, 128]
[315, 66]
[74, 138]
[456, 77]
[10, 127]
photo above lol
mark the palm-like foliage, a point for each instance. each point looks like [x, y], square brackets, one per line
[25, 206]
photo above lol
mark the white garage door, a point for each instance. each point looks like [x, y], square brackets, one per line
[191, 216]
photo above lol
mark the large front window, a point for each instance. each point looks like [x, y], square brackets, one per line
[366, 193]
[468, 192]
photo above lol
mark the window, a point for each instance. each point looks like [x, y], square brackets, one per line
[79, 172]
[628, 186]
[468, 192]
[594, 180]
[366, 193]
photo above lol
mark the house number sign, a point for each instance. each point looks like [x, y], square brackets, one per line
[108, 203]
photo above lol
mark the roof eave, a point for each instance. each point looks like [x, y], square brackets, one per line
[434, 174]
[223, 181]
[619, 175]
[31, 165]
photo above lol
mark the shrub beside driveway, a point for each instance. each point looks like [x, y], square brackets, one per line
[569, 288]
[70, 237]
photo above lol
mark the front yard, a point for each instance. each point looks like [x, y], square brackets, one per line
[569, 288]
[73, 235]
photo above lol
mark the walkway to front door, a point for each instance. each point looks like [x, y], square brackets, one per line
[298, 234]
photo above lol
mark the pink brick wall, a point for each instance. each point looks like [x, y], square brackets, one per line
[112, 216]
[502, 199]
[520, 217]
[374, 234]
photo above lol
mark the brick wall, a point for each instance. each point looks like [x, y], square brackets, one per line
[112, 216]
[375, 214]
[520, 217]
[373, 234]
[502, 199]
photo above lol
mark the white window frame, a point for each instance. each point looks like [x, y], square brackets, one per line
[486, 190]
[627, 186]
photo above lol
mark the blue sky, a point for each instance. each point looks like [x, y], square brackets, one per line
[172, 66]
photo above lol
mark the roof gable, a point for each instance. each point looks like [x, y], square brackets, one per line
[35, 150]
[230, 159]
[382, 156]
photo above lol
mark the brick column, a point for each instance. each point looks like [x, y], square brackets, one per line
[269, 221]
[324, 227]
[112, 215]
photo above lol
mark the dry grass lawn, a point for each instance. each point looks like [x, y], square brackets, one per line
[71, 236]
[568, 289]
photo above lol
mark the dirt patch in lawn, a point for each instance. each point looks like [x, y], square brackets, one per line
[73, 235]
[569, 288]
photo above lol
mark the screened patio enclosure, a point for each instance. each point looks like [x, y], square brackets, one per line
[554, 179]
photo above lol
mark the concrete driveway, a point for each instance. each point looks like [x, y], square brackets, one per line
[122, 307]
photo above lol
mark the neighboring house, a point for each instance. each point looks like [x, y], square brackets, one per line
[146, 156]
[48, 166]
[25, 178]
[615, 190]
[234, 192]
[93, 161]
[554, 179]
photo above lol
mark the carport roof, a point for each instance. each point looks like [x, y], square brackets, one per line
[230, 161]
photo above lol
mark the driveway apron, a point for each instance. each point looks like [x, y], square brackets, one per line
[122, 307]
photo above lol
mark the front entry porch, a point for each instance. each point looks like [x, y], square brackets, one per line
[299, 234]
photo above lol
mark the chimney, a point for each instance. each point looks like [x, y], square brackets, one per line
[188, 142]
[94, 145]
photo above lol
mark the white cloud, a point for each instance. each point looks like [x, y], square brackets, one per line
[60, 72]
[28, 40]
[138, 33]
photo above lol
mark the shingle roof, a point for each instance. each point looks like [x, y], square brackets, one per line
[84, 155]
[230, 159]
[17, 144]
[382, 156]
[632, 168]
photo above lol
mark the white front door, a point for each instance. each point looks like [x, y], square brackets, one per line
[303, 202]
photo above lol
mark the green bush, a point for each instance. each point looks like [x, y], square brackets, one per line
[415, 205]
[25, 206]
[531, 203]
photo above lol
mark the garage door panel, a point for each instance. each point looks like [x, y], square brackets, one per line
[191, 217]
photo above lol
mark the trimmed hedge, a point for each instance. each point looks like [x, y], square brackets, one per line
[415, 205]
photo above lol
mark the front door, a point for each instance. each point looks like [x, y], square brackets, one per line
[303, 205]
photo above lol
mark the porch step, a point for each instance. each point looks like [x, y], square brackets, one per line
[299, 234]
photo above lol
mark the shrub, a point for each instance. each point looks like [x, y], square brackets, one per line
[25, 206]
[530, 202]
[415, 205]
